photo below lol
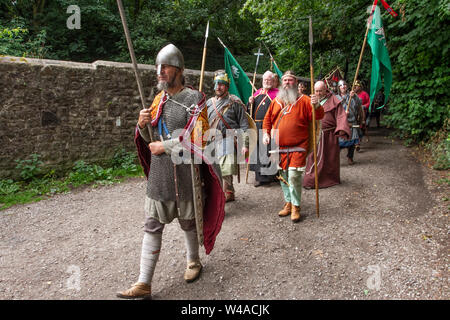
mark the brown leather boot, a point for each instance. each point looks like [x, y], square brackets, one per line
[295, 214]
[286, 210]
[139, 290]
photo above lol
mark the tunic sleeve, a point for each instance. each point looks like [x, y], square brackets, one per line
[144, 133]
[267, 123]
[341, 122]
[241, 117]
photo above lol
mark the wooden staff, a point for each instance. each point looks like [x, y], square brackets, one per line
[133, 60]
[203, 58]
[316, 178]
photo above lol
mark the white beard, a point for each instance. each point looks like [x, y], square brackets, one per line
[288, 96]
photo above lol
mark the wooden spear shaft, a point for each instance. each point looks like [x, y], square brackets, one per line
[316, 179]
[133, 60]
[251, 106]
[271, 58]
[200, 87]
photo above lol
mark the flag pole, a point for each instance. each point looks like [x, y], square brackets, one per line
[369, 22]
[203, 58]
[316, 179]
[227, 49]
[133, 60]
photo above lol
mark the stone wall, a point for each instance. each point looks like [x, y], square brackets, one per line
[68, 111]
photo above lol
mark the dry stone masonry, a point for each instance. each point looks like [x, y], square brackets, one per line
[67, 111]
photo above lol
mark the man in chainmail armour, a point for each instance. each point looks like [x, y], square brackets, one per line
[175, 118]
[227, 115]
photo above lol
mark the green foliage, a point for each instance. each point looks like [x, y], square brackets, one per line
[8, 187]
[419, 103]
[441, 155]
[30, 168]
[126, 161]
[83, 173]
[36, 186]
[416, 119]
[16, 40]
[439, 146]
[152, 25]
[338, 32]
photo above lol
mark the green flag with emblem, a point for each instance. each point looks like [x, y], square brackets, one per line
[239, 82]
[381, 64]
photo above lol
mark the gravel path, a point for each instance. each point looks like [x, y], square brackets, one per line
[382, 234]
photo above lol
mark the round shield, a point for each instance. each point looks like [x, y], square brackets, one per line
[252, 134]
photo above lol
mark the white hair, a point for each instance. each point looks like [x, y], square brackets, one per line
[268, 73]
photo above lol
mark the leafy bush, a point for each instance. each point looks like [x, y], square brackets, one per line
[84, 173]
[16, 40]
[30, 168]
[419, 102]
[8, 187]
[125, 160]
[416, 120]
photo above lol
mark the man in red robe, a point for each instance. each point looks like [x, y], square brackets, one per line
[287, 121]
[334, 125]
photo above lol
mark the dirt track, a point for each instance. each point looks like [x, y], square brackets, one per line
[382, 234]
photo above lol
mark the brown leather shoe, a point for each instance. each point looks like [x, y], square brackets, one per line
[139, 290]
[286, 210]
[193, 270]
[229, 196]
[350, 161]
[295, 214]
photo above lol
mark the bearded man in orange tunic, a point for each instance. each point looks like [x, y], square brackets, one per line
[287, 121]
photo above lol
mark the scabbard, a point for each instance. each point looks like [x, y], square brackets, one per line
[197, 198]
[288, 150]
[237, 162]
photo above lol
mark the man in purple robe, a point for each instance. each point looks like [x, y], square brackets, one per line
[334, 125]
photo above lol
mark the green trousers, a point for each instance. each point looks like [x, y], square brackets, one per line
[293, 192]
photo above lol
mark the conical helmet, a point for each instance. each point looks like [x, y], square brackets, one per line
[171, 56]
